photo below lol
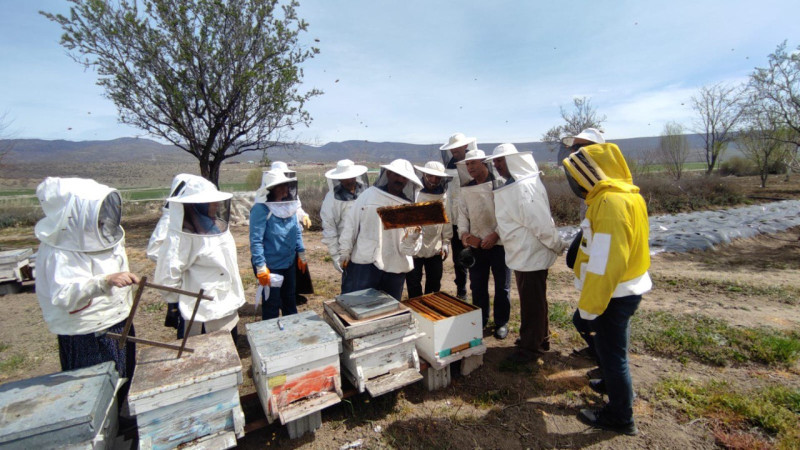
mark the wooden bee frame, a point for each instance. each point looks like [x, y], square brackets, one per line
[412, 215]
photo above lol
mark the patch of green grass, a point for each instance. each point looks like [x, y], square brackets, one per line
[561, 315]
[154, 307]
[713, 341]
[3, 347]
[12, 364]
[491, 398]
[773, 410]
[782, 294]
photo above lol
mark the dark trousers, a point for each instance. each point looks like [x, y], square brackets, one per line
[493, 259]
[534, 330]
[584, 328]
[364, 276]
[281, 300]
[433, 276]
[461, 272]
[610, 342]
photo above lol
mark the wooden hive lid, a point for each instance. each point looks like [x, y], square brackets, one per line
[305, 336]
[158, 370]
[69, 407]
[367, 303]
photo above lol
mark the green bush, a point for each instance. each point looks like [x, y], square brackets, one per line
[253, 180]
[738, 166]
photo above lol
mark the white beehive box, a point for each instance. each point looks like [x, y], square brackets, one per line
[379, 352]
[452, 329]
[295, 365]
[188, 400]
[75, 409]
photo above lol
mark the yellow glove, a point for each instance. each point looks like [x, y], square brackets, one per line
[306, 222]
[262, 273]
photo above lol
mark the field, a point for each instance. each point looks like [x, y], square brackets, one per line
[715, 352]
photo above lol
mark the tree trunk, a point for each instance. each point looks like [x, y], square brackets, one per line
[210, 171]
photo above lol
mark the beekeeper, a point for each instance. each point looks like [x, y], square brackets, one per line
[83, 283]
[435, 238]
[611, 273]
[173, 316]
[453, 151]
[199, 253]
[371, 256]
[302, 216]
[478, 227]
[276, 242]
[345, 183]
[531, 242]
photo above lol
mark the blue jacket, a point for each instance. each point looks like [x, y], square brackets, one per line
[274, 241]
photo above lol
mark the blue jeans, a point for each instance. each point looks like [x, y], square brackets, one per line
[612, 335]
[493, 259]
[281, 300]
[364, 276]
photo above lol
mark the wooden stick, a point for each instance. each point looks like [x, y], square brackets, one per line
[149, 342]
[129, 322]
[191, 322]
[178, 291]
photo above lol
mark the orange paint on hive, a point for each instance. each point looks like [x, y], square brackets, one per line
[306, 385]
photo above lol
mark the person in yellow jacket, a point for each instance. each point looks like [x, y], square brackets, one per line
[610, 272]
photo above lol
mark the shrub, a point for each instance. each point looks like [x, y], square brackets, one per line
[312, 197]
[253, 180]
[738, 166]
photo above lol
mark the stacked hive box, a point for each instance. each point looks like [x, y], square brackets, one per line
[453, 330]
[296, 368]
[75, 409]
[193, 399]
[379, 335]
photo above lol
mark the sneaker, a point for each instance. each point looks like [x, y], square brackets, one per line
[596, 418]
[594, 373]
[518, 341]
[462, 296]
[598, 385]
[502, 332]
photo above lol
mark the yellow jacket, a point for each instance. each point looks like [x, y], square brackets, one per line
[614, 254]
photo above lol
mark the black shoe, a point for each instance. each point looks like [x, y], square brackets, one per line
[594, 373]
[597, 419]
[300, 299]
[518, 341]
[462, 296]
[585, 352]
[502, 332]
[598, 385]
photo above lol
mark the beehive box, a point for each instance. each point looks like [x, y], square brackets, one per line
[188, 400]
[379, 353]
[295, 365]
[75, 409]
[452, 329]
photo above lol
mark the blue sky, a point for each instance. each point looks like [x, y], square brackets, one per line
[417, 71]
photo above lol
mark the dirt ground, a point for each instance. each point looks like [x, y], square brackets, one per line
[492, 407]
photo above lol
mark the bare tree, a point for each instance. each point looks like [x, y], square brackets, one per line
[6, 144]
[719, 110]
[583, 116]
[673, 149]
[764, 138]
[214, 78]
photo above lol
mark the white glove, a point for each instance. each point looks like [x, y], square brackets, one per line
[445, 251]
[336, 265]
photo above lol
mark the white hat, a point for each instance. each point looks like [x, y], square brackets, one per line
[200, 190]
[457, 140]
[473, 155]
[404, 169]
[434, 168]
[589, 134]
[274, 177]
[345, 169]
[503, 150]
[279, 165]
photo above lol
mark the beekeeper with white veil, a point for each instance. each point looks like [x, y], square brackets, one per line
[435, 238]
[478, 232]
[302, 216]
[371, 256]
[276, 243]
[345, 183]
[199, 253]
[453, 151]
[531, 242]
[83, 282]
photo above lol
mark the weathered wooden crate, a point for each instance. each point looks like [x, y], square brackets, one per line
[75, 409]
[295, 365]
[453, 329]
[379, 353]
[192, 400]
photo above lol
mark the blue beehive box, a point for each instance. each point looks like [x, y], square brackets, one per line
[66, 409]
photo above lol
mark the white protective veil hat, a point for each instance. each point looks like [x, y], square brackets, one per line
[346, 169]
[274, 177]
[200, 190]
[434, 168]
[590, 134]
[474, 155]
[404, 169]
[457, 140]
[503, 150]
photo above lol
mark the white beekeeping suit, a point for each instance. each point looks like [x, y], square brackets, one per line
[363, 239]
[455, 171]
[302, 217]
[476, 205]
[345, 183]
[160, 231]
[82, 243]
[200, 253]
[435, 238]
